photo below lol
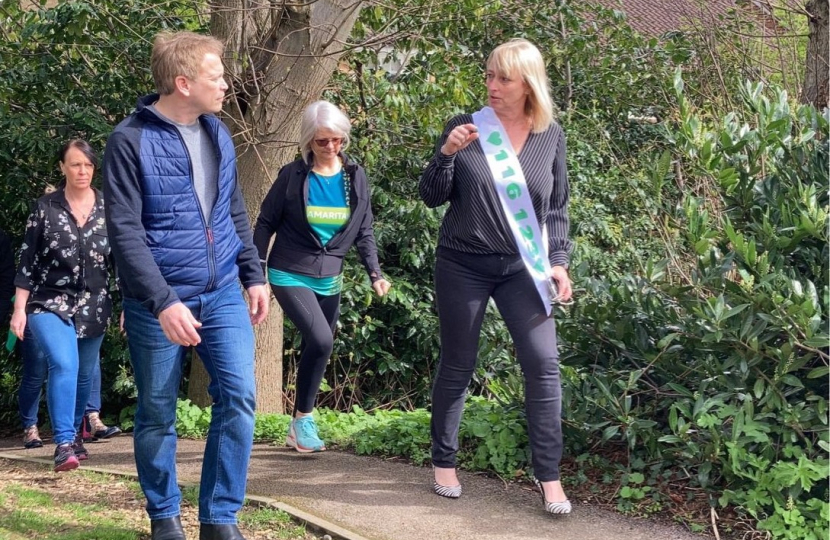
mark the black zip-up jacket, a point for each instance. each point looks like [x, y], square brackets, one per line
[297, 249]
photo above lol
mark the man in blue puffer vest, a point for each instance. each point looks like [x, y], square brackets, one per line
[182, 243]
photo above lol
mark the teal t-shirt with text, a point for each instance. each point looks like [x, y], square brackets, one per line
[327, 212]
[328, 208]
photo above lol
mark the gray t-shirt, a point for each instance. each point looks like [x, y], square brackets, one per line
[204, 160]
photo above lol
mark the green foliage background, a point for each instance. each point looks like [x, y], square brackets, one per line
[697, 350]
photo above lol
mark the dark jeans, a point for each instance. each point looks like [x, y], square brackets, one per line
[315, 317]
[463, 285]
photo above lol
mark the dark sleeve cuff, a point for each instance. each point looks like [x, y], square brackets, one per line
[248, 284]
[560, 258]
[445, 161]
[161, 302]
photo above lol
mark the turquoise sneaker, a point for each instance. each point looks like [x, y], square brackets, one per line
[302, 435]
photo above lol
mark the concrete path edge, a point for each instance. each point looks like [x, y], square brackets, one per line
[311, 521]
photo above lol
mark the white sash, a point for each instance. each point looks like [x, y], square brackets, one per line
[509, 180]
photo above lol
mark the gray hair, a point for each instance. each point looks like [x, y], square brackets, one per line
[322, 115]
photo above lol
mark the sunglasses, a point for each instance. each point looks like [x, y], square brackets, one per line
[325, 142]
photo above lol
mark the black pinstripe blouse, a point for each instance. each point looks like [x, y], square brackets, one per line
[475, 222]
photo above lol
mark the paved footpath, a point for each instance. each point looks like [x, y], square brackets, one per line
[363, 498]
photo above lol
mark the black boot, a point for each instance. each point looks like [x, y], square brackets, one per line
[219, 532]
[167, 529]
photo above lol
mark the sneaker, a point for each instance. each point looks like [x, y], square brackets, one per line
[302, 435]
[80, 451]
[31, 438]
[94, 428]
[86, 430]
[65, 459]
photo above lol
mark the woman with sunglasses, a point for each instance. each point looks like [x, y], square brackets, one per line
[318, 207]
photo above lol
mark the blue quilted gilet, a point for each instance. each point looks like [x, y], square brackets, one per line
[180, 238]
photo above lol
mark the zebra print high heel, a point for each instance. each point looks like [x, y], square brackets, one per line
[560, 508]
[450, 492]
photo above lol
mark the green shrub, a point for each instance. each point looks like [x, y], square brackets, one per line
[759, 299]
[716, 361]
[271, 427]
[192, 422]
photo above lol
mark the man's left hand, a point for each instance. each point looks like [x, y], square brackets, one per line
[258, 301]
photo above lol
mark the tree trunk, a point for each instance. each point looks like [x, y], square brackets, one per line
[268, 366]
[266, 370]
[816, 76]
[197, 383]
[279, 58]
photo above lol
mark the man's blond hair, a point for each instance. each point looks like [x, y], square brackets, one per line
[180, 53]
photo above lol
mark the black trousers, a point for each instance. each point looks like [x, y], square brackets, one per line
[315, 317]
[464, 283]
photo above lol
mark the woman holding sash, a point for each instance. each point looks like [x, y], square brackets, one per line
[504, 236]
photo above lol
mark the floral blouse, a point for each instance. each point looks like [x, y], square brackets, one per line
[65, 267]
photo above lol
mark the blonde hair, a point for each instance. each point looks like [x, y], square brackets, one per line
[180, 53]
[322, 115]
[519, 57]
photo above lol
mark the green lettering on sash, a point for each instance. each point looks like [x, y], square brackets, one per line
[494, 138]
[520, 215]
[508, 172]
[527, 232]
[514, 191]
[538, 266]
[533, 249]
[502, 155]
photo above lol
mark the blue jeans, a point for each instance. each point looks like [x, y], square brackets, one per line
[31, 382]
[35, 370]
[70, 361]
[93, 404]
[227, 351]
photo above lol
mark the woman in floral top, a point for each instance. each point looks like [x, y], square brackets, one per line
[62, 300]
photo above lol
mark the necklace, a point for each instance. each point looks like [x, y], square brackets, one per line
[80, 212]
[343, 175]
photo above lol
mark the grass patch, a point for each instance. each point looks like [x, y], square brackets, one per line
[26, 497]
[190, 494]
[266, 518]
[36, 503]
